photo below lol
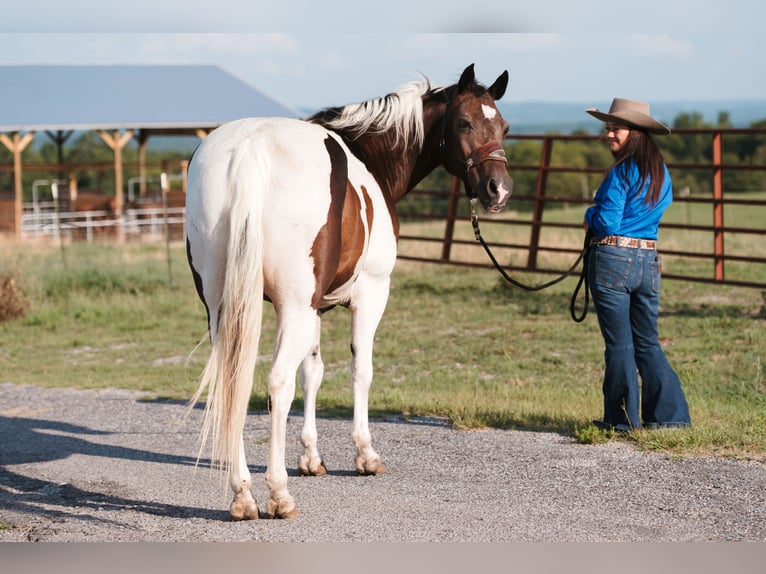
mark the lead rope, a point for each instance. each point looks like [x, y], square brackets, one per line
[583, 275]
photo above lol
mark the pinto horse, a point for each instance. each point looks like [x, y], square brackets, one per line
[301, 213]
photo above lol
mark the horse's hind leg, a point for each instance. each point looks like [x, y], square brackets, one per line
[207, 271]
[243, 506]
[366, 313]
[295, 335]
[312, 371]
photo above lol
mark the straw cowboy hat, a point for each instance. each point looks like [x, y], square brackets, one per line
[632, 113]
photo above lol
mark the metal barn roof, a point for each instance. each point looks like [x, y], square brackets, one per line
[157, 97]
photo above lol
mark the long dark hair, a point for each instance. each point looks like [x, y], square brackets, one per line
[641, 147]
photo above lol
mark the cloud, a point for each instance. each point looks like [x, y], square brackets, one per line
[513, 42]
[659, 45]
[525, 43]
[209, 45]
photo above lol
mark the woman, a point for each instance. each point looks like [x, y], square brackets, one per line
[624, 273]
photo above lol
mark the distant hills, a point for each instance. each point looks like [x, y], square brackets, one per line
[542, 117]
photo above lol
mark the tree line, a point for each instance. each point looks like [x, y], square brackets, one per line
[679, 149]
[738, 149]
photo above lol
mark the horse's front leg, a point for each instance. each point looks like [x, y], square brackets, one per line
[312, 371]
[366, 313]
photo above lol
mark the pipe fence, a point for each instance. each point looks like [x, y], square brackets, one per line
[542, 232]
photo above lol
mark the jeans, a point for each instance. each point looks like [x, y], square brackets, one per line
[625, 288]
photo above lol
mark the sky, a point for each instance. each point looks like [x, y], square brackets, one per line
[311, 54]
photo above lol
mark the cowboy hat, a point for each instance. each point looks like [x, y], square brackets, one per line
[632, 113]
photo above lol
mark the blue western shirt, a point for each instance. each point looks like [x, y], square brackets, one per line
[620, 208]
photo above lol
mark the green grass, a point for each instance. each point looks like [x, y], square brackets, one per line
[105, 319]
[455, 343]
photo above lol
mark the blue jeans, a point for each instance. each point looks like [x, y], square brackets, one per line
[625, 288]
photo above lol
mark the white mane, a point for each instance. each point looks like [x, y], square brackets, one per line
[401, 111]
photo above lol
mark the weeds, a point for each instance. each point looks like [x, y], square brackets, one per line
[11, 302]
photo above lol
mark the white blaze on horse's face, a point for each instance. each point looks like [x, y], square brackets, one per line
[489, 111]
[476, 131]
[503, 194]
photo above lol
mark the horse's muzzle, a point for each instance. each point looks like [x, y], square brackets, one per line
[498, 193]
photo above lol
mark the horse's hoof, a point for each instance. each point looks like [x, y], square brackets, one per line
[285, 508]
[247, 510]
[306, 469]
[367, 467]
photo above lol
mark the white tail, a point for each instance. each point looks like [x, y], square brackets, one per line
[228, 375]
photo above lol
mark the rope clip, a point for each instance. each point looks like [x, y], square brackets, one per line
[475, 219]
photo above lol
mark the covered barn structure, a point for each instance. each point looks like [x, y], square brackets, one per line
[119, 102]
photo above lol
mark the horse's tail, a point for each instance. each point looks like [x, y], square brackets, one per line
[228, 375]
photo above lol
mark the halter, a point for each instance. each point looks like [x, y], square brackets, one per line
[493, 151]
[490, 151]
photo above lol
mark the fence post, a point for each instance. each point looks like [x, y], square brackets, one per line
[537, 213]
[165, 185]
[718, 206]
[449, 229]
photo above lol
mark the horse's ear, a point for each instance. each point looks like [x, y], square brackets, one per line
[467, 78]
[497, 89]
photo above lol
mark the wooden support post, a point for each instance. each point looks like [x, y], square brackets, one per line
[16, 145]
[117, 142]
[59, 138]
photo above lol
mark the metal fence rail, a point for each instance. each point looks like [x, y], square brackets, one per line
[78, 225]
[717, 233]
[715, 250]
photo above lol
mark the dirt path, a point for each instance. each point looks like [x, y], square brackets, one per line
[110, 466]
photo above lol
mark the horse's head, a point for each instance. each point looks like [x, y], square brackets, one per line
[472, 142]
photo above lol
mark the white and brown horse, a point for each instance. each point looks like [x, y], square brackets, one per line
[301, 213]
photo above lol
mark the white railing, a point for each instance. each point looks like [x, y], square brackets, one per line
[78, 223]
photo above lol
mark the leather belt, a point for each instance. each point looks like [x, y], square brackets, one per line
[621, 241]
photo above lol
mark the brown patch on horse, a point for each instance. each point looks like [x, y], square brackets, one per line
[326, 248]
[353, 235]
[339, 244]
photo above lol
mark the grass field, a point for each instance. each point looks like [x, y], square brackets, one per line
[456, 343]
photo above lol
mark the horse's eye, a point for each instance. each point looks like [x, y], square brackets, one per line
[464, 125]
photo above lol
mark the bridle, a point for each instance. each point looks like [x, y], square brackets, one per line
[494, 151]
[490, 151]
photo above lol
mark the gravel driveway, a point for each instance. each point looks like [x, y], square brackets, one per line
[113, 466]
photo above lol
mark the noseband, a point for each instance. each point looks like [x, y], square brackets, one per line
[489, 151]
[493, 151]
